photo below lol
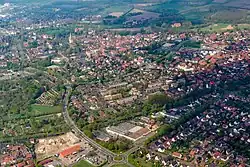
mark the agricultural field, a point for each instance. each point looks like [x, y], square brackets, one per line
[116, 14]
[242, 4]
[116, 10]
[143, 15]
[231, 16]
[244, 26]
[217, 28]
[222, 27]
[220, 1]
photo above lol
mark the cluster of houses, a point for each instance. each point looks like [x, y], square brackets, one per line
[213, 135]
[107, 54]
[16, 155]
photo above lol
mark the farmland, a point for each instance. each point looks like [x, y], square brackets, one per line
[217, 28]
[232, 15]
[222, 27]
[242, 4]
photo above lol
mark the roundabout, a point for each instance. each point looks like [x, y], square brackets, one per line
[119, 158]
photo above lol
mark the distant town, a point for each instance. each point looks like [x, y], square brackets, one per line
[85, 84]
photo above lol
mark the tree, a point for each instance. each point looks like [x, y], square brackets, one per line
[160, 99]
[88, 133]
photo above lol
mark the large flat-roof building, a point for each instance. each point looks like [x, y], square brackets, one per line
[128, 131]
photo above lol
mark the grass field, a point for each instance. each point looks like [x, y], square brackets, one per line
[221, 27]
[118, 158]
[36, 111]
[122, 8]
[83, 164]
[139, 162]
[120, 165]
[230, 15]
[217, 28]
[43, 110]
[244, 26]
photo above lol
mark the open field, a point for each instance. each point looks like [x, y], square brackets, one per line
[137, 11]
[145, 15]
[42, 109]
[120, 165]
[242, 4]
[217, 28]
[243, 26]
[116, 14]
[36, 111]
[223, 27]
[220, 1]
[139, 162]
[83, 163]
[125, 29]
[230, 15]
[116, 9]
[144, 4]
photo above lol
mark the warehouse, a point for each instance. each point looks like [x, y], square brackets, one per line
[128, 131]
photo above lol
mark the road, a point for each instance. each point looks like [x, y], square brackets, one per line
[111, 156]
[70, 122]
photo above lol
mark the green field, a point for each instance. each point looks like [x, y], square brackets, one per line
[138, 162]
[120, 165]
[118, 158]
[244, 26]
[221, 27]
[83, 164]
[45, 110]
[35, 111]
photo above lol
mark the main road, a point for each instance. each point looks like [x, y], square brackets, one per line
[111, 156]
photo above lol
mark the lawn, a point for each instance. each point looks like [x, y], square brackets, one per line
[120, 165]
[118, 158]
[83, 163]
[36, 111]
[45, 110]
[138, 162]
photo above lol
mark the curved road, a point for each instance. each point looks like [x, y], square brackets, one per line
[104, 150]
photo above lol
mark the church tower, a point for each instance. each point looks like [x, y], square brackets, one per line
[70, 39]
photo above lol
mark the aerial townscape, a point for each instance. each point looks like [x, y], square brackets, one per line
[128, 83]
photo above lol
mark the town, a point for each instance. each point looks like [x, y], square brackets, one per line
[76, 94]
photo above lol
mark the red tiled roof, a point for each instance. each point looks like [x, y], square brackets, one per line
[21, 164]
[176, 154]
[45, 161]
[30, 165]
[28, 155]
[69, 151]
